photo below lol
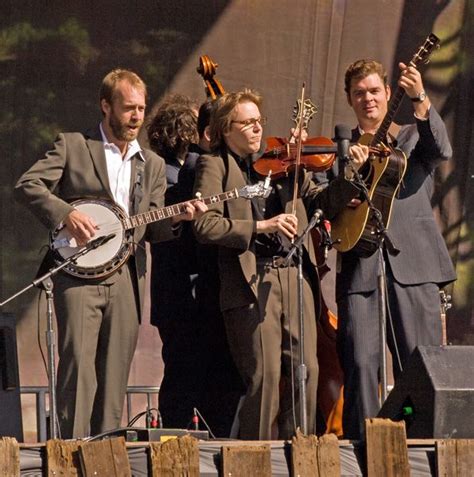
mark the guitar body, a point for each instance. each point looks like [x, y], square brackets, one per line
[356, 227]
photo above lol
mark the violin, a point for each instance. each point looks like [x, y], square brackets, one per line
[317, 154]
[279, 157]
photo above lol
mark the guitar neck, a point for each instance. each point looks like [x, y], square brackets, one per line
[421, 55]
[167, 212]
[381, 133]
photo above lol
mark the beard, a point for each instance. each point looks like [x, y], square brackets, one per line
[122, 130]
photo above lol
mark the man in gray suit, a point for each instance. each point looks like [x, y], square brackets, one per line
[423, 265]
[258, 290]
[98, 318]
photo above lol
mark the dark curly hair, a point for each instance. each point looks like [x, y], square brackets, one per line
[173, 127]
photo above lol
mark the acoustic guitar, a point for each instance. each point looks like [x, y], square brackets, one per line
[356, 228]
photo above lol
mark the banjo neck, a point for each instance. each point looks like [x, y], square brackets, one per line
[169, 211]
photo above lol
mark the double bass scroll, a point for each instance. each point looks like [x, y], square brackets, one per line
[207, 69]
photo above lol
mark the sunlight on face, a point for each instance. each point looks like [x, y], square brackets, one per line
[368, 97]
[126, 114]
[245, 134]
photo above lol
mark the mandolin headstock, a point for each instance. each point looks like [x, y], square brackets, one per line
[304, 112]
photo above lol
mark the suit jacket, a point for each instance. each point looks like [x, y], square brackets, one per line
[231, 224]
[423, 256]
[76, 168]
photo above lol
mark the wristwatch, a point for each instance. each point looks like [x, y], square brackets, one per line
[421, 96]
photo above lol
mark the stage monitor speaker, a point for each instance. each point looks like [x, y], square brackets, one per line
[434, 395]
[10, 403]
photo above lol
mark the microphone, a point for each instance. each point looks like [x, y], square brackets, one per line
[326, 241]
[343, 136]
[317, 216]
[93, 244]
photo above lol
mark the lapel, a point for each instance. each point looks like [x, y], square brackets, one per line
[240, 209]
[96, 149]
[136, 182]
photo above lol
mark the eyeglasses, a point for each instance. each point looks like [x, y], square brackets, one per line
[251, 122]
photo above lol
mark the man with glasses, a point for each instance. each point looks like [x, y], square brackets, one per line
[253, 239]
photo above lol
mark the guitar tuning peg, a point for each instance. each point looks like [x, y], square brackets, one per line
[198, 195]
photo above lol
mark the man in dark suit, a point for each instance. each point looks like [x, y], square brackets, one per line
[423, 265]
[260, 315]
[98, 318]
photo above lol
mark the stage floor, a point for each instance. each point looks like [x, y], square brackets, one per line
[421, 454]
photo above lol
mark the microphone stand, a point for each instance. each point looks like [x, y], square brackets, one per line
[46, 282]
[296, 249]
[383, 239]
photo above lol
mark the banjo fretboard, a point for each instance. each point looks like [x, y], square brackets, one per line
[172, 210]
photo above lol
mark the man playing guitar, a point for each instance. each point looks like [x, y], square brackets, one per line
[422, 266]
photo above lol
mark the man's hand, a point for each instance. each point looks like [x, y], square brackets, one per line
[194, 210]
[359, 154]
[410, 80]
[286, 224]
[80, 226]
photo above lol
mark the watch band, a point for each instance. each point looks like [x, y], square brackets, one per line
[421, 96]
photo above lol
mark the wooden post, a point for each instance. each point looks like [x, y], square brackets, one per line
[246, 460]
[62, 458]
[176, 457]
[107, 457]
[455, 457]
[329, 459]
[313, 457]
[304, 455]
[9, 457]
[387, 452]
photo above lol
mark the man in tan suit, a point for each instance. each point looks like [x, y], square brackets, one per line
[258, 294]
[98, 318]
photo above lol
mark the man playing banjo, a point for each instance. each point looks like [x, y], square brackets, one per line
[98, 307]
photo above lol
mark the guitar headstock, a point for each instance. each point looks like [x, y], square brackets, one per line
[422, 55]
[304, 111]
[207, 69]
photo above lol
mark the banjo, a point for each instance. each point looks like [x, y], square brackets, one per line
[112, 245]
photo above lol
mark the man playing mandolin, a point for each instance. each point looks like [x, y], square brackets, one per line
[98, 313]
[253, 238]
[415, 274]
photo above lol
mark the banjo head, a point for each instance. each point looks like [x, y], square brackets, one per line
[106, 258]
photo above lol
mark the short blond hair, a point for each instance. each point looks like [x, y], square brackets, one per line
[111, 79]
[221, 117]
